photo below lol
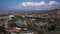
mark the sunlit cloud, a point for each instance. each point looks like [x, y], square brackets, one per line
[53, 3]
[25, 4]
[39, 6]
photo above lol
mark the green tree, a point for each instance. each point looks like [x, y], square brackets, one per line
[2, 29]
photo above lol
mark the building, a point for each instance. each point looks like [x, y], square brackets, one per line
[58, 11]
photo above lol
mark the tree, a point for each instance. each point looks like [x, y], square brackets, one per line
[2, 29]
[51, 25]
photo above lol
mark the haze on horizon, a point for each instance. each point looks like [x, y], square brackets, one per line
[29, 4]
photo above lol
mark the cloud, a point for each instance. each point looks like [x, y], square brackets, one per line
[25, 4]
[39, 6]
[53, 3]
[42, 3]
[36, 6]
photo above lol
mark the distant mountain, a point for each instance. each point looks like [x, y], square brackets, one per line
[29, 10]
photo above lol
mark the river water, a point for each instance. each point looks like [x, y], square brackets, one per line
[19, 22]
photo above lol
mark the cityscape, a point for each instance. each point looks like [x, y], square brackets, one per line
[29, 17]
[33, 23]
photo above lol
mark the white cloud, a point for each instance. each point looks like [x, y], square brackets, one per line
[52, 3]
[39, 6]
[42, 3]
[33, 4]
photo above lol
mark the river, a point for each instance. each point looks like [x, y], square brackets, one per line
[19, 22]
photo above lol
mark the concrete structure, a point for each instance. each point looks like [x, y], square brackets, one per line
[58, 11]
[10, 17]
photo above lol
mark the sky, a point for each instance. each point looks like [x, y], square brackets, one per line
[29, 4]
